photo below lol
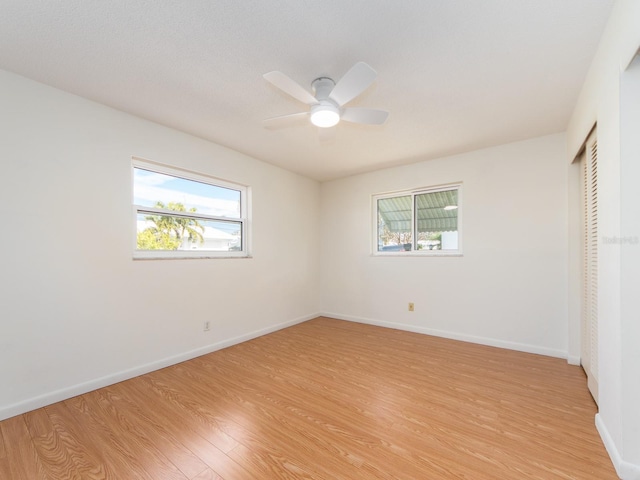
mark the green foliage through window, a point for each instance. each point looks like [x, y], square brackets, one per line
[169, 232]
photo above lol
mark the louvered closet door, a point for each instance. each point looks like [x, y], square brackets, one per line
[589, 357]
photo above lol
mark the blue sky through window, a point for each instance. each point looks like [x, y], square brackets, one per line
[151, 187]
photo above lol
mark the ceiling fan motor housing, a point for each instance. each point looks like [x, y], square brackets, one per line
[322, 87]
[326, 112]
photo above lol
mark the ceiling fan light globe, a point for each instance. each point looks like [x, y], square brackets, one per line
[325, 116]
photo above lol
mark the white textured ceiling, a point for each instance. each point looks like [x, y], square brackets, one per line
[456, 75]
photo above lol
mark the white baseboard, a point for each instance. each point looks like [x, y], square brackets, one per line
[625, 470]
[573, 360]
[79, 389]
[521, 347]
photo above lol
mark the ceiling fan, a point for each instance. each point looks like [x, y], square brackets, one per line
[327, 103]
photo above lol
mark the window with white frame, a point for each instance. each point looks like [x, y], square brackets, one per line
[422, 222]
[181, 214]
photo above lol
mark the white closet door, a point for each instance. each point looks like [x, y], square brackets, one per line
[589, 356]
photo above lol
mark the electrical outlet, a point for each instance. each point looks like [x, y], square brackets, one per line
[411, 307]
[207, 326]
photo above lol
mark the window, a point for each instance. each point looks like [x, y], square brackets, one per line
[418, 222]
[180, 214]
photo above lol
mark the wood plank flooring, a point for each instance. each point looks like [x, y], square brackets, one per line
[325, 399]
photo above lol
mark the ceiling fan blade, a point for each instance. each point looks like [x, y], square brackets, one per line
[290, 87]
[354, 82]
[284, 120]
[368, 116]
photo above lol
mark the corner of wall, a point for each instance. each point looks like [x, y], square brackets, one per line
[573, 360]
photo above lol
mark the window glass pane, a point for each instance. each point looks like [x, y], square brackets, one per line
[394, 224]
[152, 189]
[437, 220]
[165, 232]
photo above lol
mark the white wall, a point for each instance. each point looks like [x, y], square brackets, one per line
[618, 419]
[630, 259]
[77, 311]
[510, 287]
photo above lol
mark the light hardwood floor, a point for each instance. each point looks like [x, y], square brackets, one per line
[325, 399]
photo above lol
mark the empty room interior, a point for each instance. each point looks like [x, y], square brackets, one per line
[320, 240]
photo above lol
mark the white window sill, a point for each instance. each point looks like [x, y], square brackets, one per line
[138, 256]
[416, 254]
